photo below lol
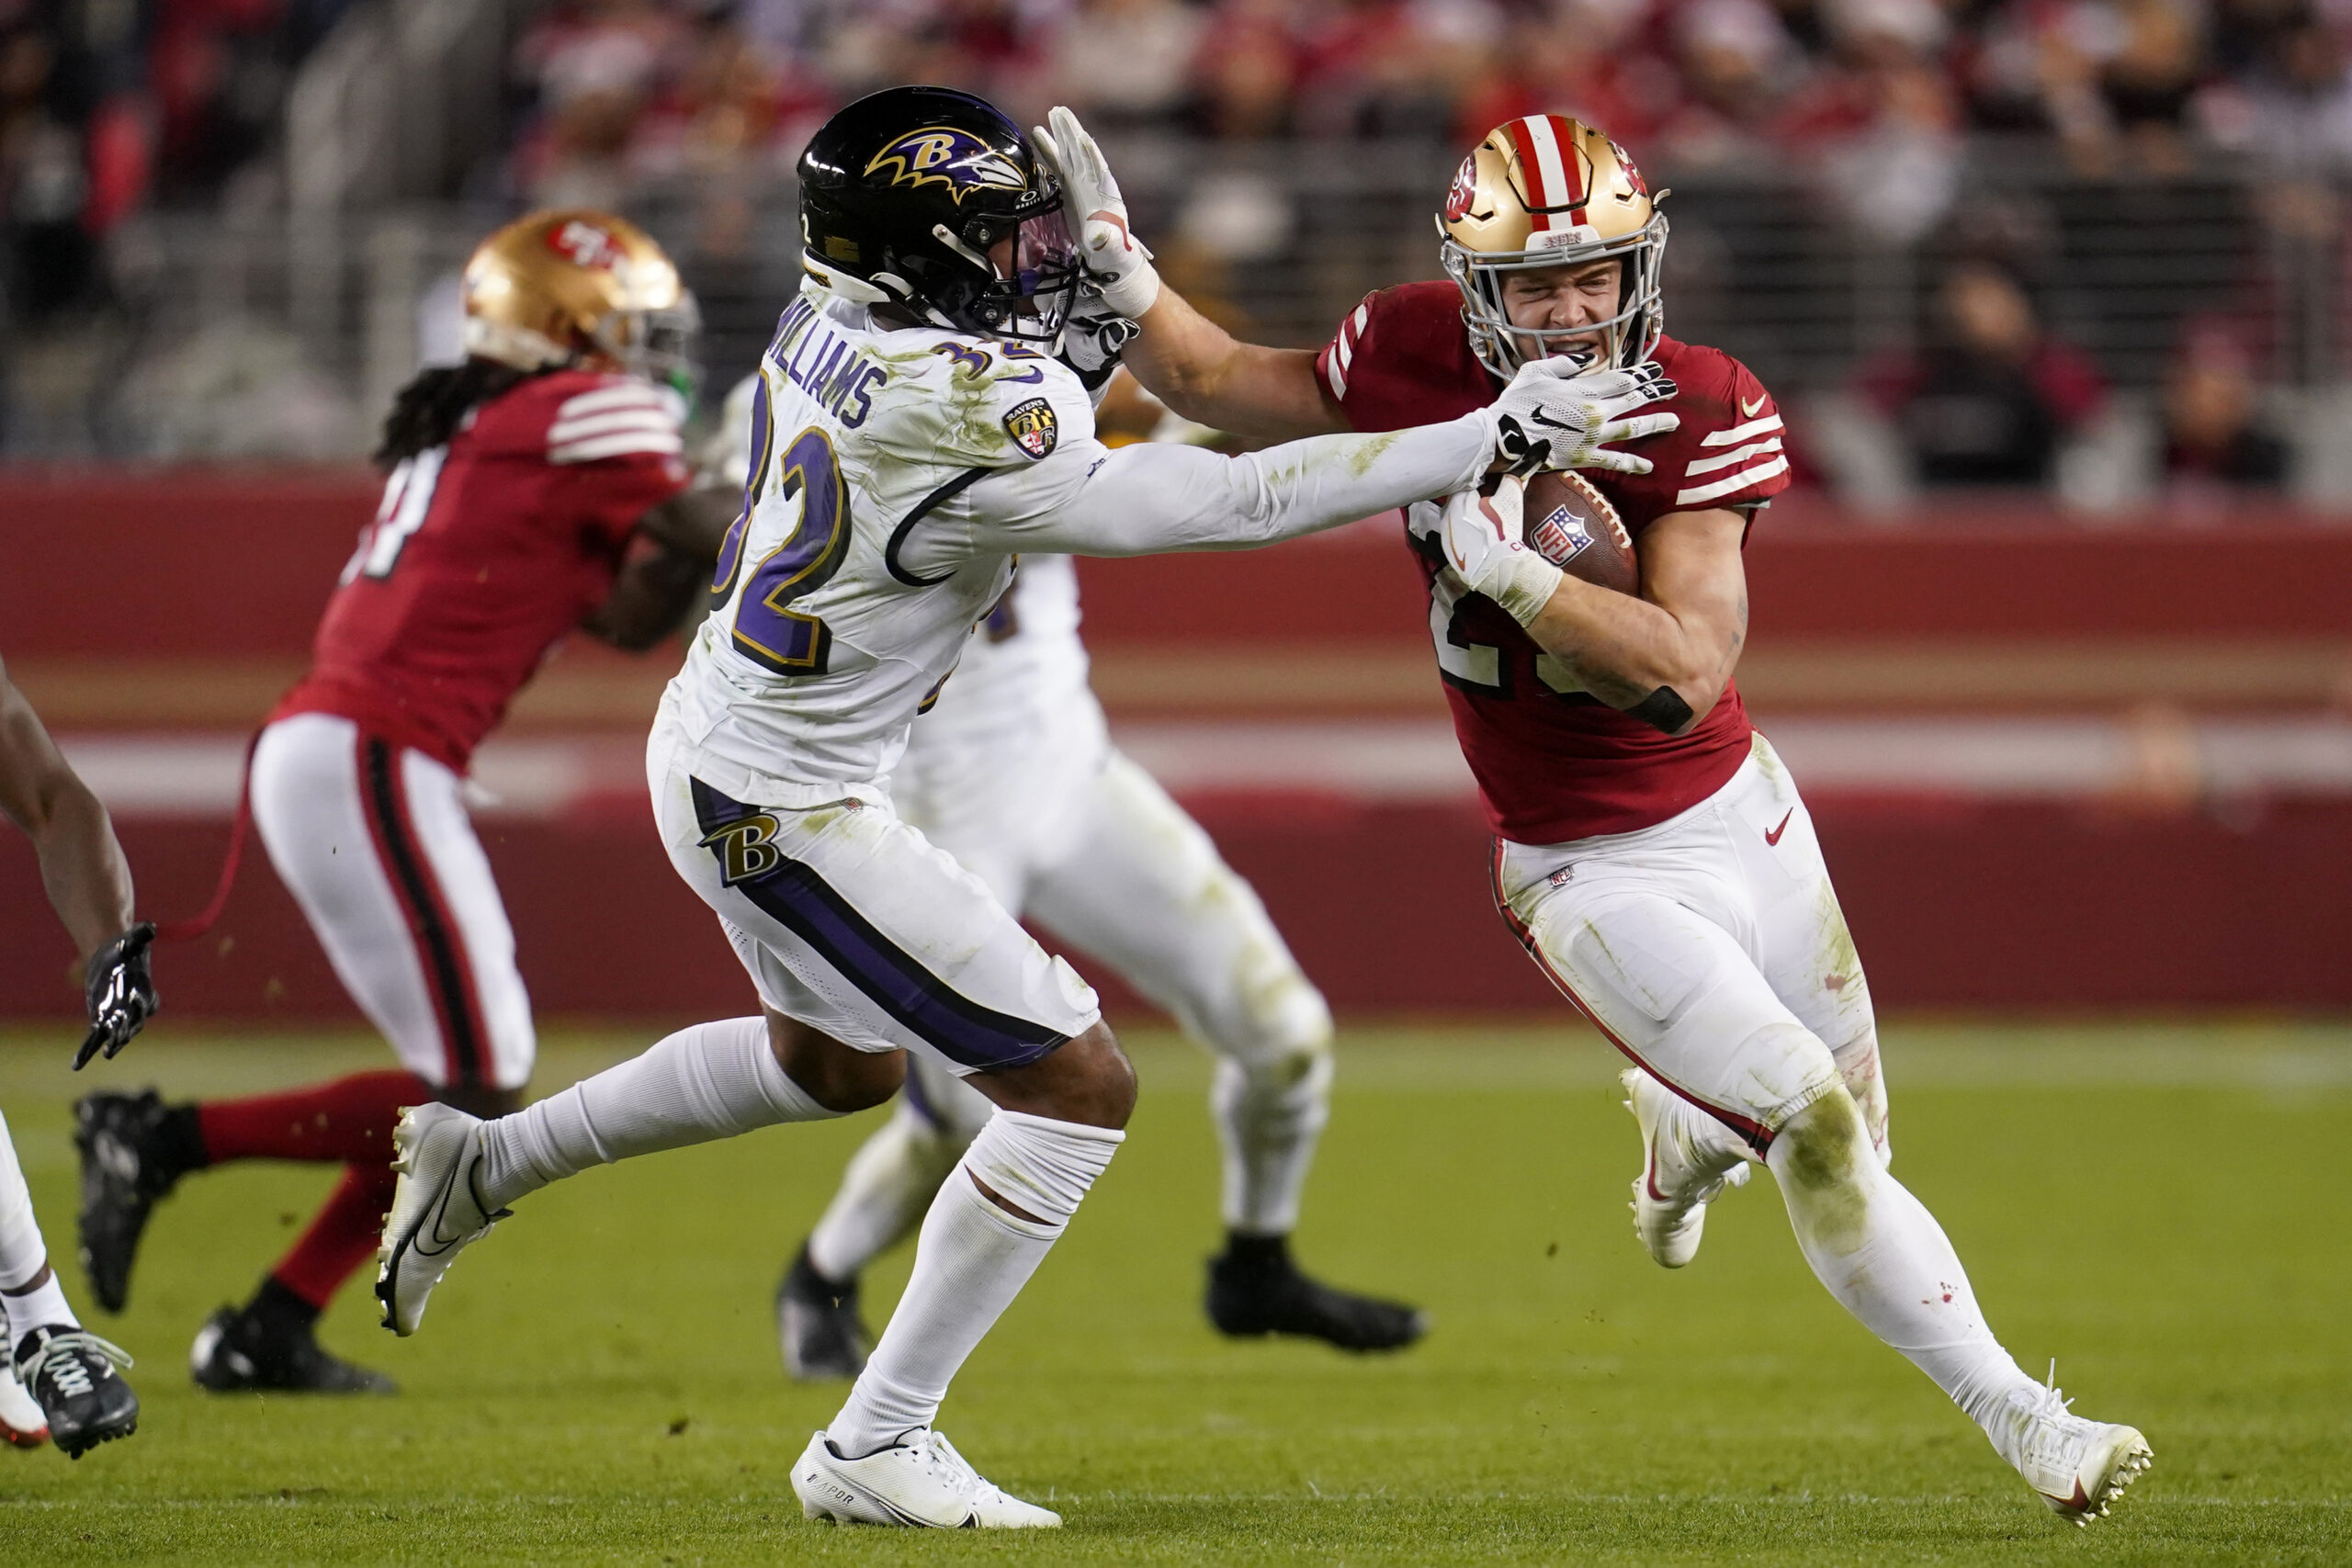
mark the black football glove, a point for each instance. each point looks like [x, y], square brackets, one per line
[120, 991]
[1093, 340]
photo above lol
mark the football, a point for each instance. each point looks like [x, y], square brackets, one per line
[1573, 526]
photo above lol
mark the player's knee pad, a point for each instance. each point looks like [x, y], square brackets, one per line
[1292, 1086]
[1041, 1167]
[1782, 1069]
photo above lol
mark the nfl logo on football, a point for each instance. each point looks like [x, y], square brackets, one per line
[1560, 537]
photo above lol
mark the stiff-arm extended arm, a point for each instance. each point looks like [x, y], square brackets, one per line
[1148, 500]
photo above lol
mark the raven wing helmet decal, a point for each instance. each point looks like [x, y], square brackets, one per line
[957, 159]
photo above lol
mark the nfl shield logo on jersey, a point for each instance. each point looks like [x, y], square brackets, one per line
[1032, 427]
[1561, 537]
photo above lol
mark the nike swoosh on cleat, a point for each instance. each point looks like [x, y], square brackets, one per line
[1773, 838]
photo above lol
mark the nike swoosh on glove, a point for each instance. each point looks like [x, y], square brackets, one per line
[120, 991]
[1551, 416]
[1117, 263]
[1486, 549]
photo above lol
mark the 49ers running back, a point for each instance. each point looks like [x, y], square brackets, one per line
[1651, 851]
[537, 486]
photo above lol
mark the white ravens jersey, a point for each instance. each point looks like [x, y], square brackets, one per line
[1024, 668]
[831, 625]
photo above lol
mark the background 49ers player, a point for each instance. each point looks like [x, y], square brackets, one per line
[536, 488]
[1650, 850]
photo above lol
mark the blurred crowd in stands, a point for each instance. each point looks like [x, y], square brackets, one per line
[645, 86]
[110, 105]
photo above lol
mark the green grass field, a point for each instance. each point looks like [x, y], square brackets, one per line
[2160, 1209]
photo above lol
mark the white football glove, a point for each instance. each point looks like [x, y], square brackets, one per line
[1486, 549]
[1117, 263]
[1552, 417]
[1094, 339]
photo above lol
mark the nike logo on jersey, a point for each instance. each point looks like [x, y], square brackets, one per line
[1748, 410]
[1773, 838]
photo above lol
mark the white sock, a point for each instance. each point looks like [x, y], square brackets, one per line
[1887, 1261]
[972, 1260]
[22, 1252]
[884, 1189]
[44, 1306]
[1269, 1114]
[712, 1081]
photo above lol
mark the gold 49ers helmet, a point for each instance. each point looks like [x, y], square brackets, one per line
[555, 288]
[1546, 191]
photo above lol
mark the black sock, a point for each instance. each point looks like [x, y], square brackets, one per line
[179, 1140]
[277, 1313]
[1258, 1251]
[838, 1290]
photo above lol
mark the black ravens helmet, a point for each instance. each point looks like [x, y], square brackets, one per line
[931, 199]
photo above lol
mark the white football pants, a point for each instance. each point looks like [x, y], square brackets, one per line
[373, 840]
[21, 1251]
[1710, 949]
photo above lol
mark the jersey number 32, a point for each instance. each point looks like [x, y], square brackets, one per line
[767, 631]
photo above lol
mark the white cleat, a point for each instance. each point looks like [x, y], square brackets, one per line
[437, 1209]
[23, 1423]
[921, 1483]
[1678, 1181]
[2077, 1466]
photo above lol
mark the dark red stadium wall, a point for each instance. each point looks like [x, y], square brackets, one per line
[214, 563]
[1954, 905]
[1967, 907]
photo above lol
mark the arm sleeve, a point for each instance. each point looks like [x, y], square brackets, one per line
[1148, 499]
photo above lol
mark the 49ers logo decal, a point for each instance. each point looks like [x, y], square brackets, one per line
[1464, 191]
[945, 155]
[583, 245]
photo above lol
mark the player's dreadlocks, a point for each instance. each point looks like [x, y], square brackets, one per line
[429, 408]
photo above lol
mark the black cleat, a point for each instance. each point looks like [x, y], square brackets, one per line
[1255, 1289]
[818, 1323]
[71, 1374]
[134, 1150]
[241, 1351]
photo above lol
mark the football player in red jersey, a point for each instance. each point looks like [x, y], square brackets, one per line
[1651, 853]
[538, 487]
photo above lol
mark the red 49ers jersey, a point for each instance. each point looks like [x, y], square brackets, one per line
[1553, 763]
[485, 552]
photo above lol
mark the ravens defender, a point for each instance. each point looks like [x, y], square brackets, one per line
[1651, 851]
[58, 1381]
[1012, 771]
[537, 488]
[912, 432]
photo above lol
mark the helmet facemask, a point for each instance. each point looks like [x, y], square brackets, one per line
[657, 344]
[1627, 338]
[1027, 301]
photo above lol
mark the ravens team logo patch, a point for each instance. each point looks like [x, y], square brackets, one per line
[1032, 427]
[942, 155]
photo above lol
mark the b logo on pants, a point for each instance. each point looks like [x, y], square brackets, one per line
[743, 848]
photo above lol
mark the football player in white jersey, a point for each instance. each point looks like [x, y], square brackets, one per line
[1013, 772]
[58, 1381]
[912, 434]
